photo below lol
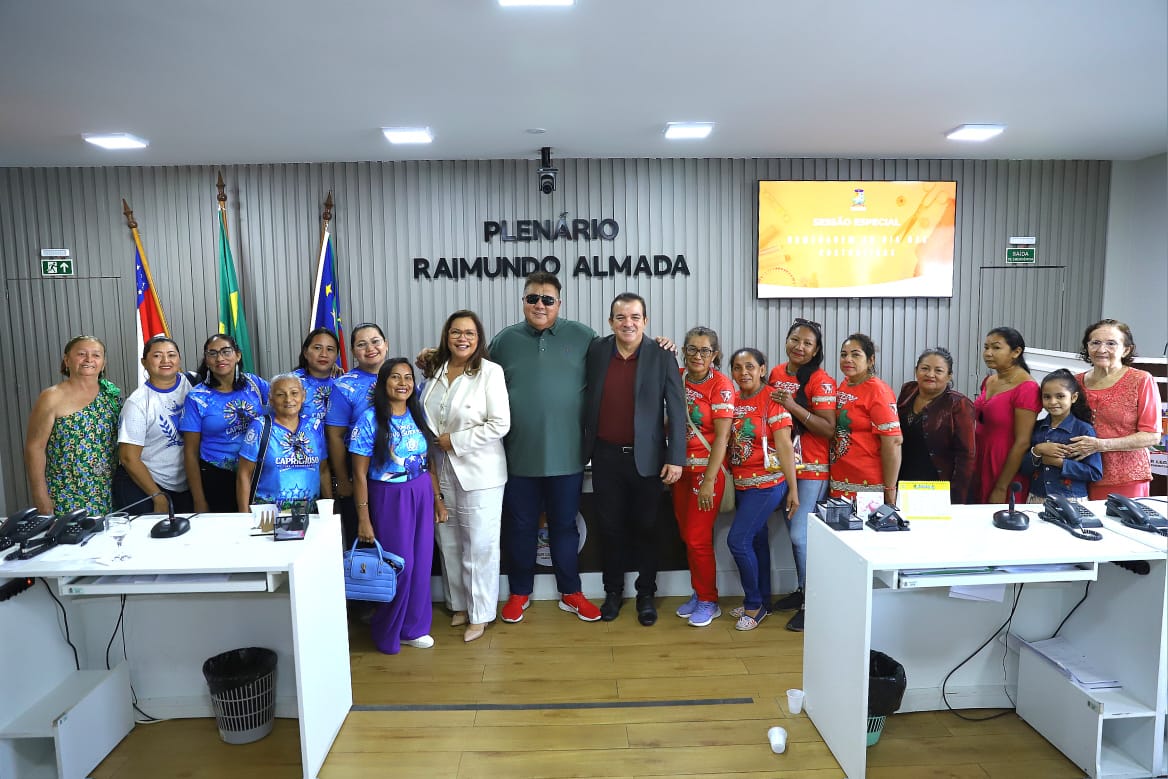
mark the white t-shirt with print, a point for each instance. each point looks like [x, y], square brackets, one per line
[150, 419]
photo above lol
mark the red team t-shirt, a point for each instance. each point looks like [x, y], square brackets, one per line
[821, 395]
[704, 402]
[863, 413]
[755, 418]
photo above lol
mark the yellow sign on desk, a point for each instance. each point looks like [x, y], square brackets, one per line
[925, 500]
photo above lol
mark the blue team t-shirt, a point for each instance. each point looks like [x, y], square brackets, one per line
[316, 393]
[291, 469]
[352, 395]
[407, 455]
[222, 419]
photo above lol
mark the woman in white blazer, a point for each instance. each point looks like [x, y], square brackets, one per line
[467, 409]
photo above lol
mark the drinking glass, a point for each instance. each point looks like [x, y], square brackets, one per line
[117, 525]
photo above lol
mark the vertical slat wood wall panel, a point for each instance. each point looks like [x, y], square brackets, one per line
[388, 213]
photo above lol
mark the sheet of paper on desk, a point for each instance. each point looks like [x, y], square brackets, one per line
[987, 593]
[1073, 664]
[924, 500]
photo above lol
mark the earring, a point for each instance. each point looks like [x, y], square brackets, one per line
[237, 371]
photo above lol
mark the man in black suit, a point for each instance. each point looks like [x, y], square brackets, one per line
[634, 433]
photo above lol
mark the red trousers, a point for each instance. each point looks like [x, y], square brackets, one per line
[697, 530]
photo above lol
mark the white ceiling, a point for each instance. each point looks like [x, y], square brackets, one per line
[211, 81]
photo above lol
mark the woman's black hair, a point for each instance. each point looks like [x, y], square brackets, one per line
[204, 374]
[1014, 340]
[308, 342]
[758, 356]
[363, 326]
[475, 361]
[1079, 407]
[869, 348]
[701, 331]
[938, 351]
[803, 373]
[386, 432]
[159, 339]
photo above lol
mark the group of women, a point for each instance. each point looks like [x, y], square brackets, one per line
[402, 460]
[838, 439]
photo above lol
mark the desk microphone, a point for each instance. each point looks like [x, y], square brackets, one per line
[172, 526]
[1011, 519]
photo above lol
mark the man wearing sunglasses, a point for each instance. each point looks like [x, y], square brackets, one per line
[543, 361]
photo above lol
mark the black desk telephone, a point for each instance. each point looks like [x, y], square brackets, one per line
[22, 526]
[1136, 515]
[1071, 517]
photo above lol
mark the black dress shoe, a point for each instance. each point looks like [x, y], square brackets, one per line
[611, 607]
[646, 611]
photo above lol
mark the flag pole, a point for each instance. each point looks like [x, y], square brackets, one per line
[222, 198]
[132, 223]
[325, 217]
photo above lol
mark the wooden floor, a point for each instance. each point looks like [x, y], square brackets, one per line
[552, 657]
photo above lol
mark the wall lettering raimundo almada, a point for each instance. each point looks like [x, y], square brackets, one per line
[526, 231]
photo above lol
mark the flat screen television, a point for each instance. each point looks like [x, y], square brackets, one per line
[851, 239]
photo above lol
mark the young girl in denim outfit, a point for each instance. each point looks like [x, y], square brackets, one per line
[1053, 471]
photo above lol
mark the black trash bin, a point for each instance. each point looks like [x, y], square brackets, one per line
[886, 685]
[243, 693]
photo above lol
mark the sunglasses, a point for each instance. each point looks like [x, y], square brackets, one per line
[808, 322]
[547, 300]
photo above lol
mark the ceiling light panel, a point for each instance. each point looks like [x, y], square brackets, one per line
[116, 141]
[677, 131]
[401, 135]
[975, 132]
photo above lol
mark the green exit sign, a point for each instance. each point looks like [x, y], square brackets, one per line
[57, 267]
[1020, 256]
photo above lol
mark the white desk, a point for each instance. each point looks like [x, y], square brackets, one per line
[286, 596]
[858, 600]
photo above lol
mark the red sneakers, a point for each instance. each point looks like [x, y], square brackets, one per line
[514, 607]
[576, 603]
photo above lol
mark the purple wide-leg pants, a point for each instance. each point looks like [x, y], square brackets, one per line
[403, 522]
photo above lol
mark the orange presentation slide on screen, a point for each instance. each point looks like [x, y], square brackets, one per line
[856, 238]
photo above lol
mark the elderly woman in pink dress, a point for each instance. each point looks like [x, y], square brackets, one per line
[1127, 412]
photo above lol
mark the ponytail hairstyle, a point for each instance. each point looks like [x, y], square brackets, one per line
[308, 339]
[1079, 407]
[1014, 340]
[868, 346]
[386, 434]
[76, 340]
[804, 372]
[204, 374]
[943, 353]
[701, 331]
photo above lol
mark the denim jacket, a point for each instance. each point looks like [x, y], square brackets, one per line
[1072, 478]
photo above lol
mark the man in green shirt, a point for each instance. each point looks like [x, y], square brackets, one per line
[543, 361]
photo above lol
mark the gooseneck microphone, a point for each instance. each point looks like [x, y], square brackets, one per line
[172, 526]
[1012, 519]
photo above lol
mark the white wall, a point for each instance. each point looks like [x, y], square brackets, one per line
[1135, 284]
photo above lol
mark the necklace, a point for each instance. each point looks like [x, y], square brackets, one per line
[709, 375]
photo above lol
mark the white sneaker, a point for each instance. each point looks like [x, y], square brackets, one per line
[421, 642]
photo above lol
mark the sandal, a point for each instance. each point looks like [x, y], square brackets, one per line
[747, 622]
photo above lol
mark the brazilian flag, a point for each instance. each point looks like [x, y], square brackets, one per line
[231, 319]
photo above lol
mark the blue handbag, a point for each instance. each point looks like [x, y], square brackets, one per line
[371, 574]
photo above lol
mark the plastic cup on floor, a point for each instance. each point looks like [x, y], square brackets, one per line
[778, 738]
[794, 701]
